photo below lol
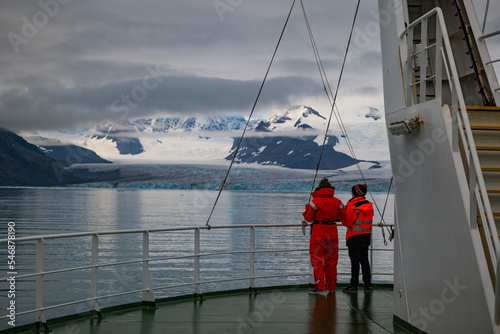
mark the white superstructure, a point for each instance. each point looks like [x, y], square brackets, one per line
[441, 94]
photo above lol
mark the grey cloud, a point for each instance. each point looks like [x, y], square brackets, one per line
[82, 65]
[307, 67]
[54, 106]
[369, 90]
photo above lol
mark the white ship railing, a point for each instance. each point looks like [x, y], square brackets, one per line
[497, 288]
[461, 128]
[483, 26]
[460, 120]
[148, 289]
[482, 36]
[493, 61]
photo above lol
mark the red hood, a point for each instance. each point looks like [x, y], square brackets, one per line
[324, 192]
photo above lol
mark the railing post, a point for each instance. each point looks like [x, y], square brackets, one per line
[472, 193]
[497, 290]
[251, 284]
[409, 69]
[94, 307]
[423, 61]
[454, 118]
[197, 290]
[485, 16]
[438, 87]
[371, 254]
[40, 317]
[148, 297]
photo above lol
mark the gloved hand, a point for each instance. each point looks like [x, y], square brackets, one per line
[304, 224]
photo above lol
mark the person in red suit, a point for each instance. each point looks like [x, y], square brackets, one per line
[324, 210]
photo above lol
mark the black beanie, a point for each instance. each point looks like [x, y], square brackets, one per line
[359, 190]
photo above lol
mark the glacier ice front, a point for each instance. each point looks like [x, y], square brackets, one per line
[256, 178]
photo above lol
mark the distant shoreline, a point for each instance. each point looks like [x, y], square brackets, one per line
[243, 177]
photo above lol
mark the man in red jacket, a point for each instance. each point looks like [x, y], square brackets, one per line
[358, 237]
[323, 211]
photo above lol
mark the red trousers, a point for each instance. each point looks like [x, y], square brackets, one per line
[324, 251]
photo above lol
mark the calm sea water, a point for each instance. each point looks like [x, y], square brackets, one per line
[43, 211]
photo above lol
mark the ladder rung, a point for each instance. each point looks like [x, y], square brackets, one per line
[481, 108]
[487, 148]
[484, 127]
[491, 191]
[490, 169]
[495, 215]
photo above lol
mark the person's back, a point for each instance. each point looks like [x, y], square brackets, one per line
[362, 226]
[324, 206]
[358, 237]
[323, 211]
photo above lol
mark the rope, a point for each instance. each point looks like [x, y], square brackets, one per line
[334, 110]
[391, 233]
[223, 183]
[325, 81]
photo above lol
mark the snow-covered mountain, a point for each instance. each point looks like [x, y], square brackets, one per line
[296, 118]
[292, 138]
[190, 124]
[292, 152]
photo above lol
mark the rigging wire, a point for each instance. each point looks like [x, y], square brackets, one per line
[223, 183]
[332, 99]
[326, 84]
[391, 232]
[319, 63]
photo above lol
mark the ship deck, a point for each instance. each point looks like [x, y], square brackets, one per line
[270, 310]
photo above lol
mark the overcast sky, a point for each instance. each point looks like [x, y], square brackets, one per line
[68, 63]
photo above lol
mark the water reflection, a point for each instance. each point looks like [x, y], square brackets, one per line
[324, 315]
[360, 312]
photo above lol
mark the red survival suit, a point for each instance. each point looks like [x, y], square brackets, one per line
[323, 211]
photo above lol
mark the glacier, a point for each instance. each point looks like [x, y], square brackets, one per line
[241, 178]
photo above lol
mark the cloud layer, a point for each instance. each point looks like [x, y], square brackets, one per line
[68, 63]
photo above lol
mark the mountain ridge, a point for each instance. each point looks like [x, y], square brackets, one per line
[211, 138]
[23, 164]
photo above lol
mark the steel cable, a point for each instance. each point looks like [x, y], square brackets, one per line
[223, 183]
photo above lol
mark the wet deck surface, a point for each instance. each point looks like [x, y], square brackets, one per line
[290, 310]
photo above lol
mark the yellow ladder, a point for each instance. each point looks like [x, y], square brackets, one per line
[485, 125]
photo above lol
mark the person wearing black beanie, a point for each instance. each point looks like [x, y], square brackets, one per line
[358, 237]
[359, 190]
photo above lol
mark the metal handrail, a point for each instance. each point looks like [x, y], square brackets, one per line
[458, 108]
[492, 61]
[460, 128]
[497, 292]
[147, 288]
[485, 16]
[490, 34]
